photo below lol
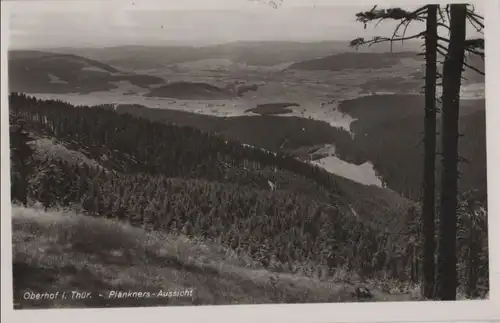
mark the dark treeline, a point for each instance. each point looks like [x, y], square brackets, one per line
[127, 144]
[179, 180]
[390, 136]
[385, 134]
[281, 230]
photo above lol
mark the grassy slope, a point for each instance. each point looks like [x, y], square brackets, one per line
[51, 148]
[65, 251]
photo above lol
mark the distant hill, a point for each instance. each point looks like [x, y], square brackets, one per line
[191, 91]
[45, 72]
[266, 53]
[376, 60]
[345, 61]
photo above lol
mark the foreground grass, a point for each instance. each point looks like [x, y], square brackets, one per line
[62, 251]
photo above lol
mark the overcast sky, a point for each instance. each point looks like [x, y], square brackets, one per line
[59, 23]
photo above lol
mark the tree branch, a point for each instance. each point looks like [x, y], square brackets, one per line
[443, 39]
[392, 13]
[406, 22]
[443, 25]
[475, 24]
[406, 18]
[475, 15]
[475, 52]
[443, 48]
[377, 39]
[441, 52]
[441, 15]
[404, 31]
[474, 69]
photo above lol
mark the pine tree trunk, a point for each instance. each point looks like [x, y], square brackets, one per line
[428, 210]
[452, 73]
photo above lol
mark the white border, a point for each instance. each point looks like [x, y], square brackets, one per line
[459, 311]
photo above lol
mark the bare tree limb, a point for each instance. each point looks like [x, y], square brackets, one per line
[472, 45]
[441, 52]
[443, 48]
[441, 16]
[378, 39]
[474, 69]
[405, 21]
[443, 25]
[406, 27]
[443, 39]
[475, 52]
[479, 28]
[475, 15]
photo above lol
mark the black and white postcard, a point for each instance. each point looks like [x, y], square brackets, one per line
[318, 160]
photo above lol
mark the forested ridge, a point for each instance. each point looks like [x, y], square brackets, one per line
[157, 149]
[178, 179]
[390, 136]
[46, 72]
[387, 132]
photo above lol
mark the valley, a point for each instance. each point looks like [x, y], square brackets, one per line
[349, 99]
[296, 177]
